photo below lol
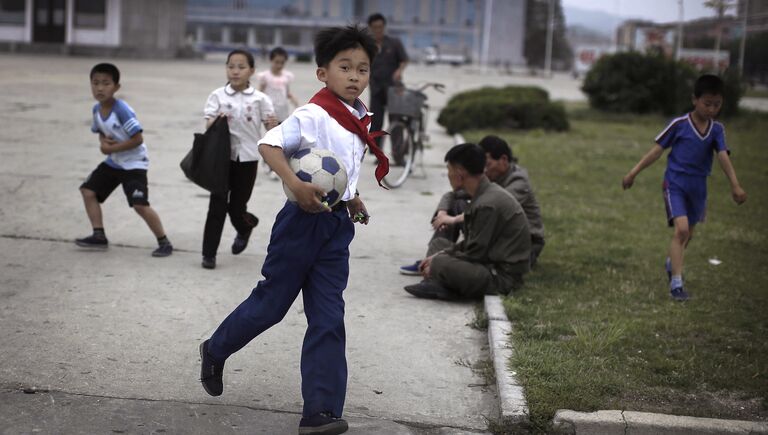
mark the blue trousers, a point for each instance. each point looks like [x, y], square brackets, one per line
[309, 253]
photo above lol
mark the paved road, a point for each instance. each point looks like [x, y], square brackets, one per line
[109, 340]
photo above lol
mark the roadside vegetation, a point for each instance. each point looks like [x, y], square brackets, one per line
[594, 326]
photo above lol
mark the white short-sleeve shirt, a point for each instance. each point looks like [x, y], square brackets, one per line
[246, 112]
[312, 127]
[121, 124]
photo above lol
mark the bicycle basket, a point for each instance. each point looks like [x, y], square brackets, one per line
[405, 102]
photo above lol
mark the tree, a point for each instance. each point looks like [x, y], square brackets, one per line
[720, 7]
[537, 14]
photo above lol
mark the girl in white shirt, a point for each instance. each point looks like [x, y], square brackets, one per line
[246, 110]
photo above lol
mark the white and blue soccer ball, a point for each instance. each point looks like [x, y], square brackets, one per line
[322, 168]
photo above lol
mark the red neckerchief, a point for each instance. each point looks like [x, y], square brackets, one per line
[326, 99]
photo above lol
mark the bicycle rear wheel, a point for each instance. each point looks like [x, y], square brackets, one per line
[401, 151]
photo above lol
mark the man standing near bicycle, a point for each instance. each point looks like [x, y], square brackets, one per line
[387, 68]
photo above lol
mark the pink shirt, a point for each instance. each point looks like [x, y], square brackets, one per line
[276, 88]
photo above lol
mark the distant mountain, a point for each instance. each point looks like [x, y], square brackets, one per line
[580, 35]
[598, 21]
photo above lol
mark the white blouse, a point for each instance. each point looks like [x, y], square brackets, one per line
[246, 113]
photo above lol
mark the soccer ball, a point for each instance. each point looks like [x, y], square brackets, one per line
[323, 169]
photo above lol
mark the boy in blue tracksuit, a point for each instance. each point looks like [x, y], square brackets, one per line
[309, 245]
[693, 140]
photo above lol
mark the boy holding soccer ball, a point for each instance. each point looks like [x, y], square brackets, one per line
[309, 246]
[693, 139]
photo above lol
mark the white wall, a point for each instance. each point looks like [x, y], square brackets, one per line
[109, 36]
[22, 33]
[12, 33]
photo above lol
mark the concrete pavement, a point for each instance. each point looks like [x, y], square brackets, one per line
[119, 330]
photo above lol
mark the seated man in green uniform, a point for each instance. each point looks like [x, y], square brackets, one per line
[502, 168]
[496, 248]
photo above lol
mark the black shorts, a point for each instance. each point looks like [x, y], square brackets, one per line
[104, 179]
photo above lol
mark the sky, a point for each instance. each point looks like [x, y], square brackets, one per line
[655, 10]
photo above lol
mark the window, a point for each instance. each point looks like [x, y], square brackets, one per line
[212, 34]
[239, 36]
[91, 14]
[291, 36]
[12, 12]
[265, 35]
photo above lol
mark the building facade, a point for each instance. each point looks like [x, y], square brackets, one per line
[449, 26]
[757, 14]
[141, 28]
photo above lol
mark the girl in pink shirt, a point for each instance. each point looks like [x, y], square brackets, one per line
[275, 81]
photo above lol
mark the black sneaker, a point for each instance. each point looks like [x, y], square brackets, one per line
[211, 373]
[679, 295]
[429, 289]
[93, 242]
[209, 262]
[163, 250]
[322, 424]
[240, 243]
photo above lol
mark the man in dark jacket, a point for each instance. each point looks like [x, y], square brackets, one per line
[387, 68]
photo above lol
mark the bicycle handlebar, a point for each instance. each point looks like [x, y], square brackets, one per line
[439, 87]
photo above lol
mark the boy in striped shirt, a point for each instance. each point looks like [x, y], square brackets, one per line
[126, 163]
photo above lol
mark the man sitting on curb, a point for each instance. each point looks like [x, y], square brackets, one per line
[496, 248]
[502, 168]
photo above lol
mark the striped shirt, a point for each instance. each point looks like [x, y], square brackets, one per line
[121, 124]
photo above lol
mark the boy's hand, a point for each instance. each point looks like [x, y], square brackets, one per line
[357, 211]
[627, 181]
[106, 144]
[739, 195]
[309, 197]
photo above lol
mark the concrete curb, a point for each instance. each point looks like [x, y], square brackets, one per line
[631, 422]
[513, 408]
[512, 405]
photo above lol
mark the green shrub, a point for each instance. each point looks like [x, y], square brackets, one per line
[734, 90]
[304, 57]
[517, 107]
[638, 83]
[520, 93]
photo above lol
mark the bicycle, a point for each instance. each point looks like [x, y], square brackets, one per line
[408, 114]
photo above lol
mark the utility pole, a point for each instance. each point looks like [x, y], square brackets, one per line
[680, 18]
[486, 33]
[743, 44]
[550, 34]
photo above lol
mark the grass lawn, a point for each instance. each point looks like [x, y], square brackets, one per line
[757, 93]
[594, 326]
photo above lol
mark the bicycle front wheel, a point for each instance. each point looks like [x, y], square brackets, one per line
[401, 151]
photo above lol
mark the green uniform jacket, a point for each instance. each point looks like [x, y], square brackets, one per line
[496, 232]
[516, 182]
